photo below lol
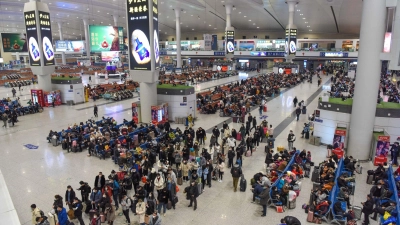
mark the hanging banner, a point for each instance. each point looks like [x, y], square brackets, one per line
[214, 42]
[230, 38]
[135, 113]
[32, 38]
[14, 42]
[47, 38]
[207, 41]
[139, 34]
[338, 139]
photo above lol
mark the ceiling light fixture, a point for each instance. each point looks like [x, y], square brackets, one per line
[310, 30]
[258, 27]
[240, 12]
[250, 20]
[244, 16]
[192, 29]
[304, 18]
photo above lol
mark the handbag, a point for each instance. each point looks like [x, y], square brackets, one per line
[177, 188]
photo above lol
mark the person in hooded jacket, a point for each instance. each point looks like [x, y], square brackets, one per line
[367, 209]
[58, 200]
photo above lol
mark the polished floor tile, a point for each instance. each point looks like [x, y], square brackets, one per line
[35, 176]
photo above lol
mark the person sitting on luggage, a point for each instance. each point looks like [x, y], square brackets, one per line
[389, 207]
[290, 220]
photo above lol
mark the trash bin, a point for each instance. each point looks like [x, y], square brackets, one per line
[176, 120]
[70, 102]
[317, 141]
[312, 140]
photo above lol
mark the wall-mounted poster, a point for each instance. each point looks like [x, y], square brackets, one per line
[382, 146]
[32, 38]
[339, 139]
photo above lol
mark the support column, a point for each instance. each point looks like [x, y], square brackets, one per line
[148, 98]
[178, 38]
[291, 5]
[228, 9]
[372, 34]
[115, 17]
[63, 59]
[87, 42]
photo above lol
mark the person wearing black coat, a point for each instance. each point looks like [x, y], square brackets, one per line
[269, 157]
[193, 193]
[58, 200]
[69, 195]
[135, 177]
[290, 220]
[231, 155]
[254, 121]
[99, 181]
[77, 207]
[367, 209]
[167, 126]
[85, 191]
[162, 200]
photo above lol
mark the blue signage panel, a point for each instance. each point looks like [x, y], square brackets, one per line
[219, 53]
[268, 54]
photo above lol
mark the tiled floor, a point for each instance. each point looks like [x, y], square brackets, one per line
[35, 176]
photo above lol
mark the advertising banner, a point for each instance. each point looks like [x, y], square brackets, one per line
[135, 113]
[14, 42]
[70, 46]
[293, 42]
[382, 146]
[266, 54]
[230, 38]
[207, 41]
[339, 139]
[139, 34]
[155, 28]
[32, 38]
[286, 41]
[106, 38]
[47, 38]
[214, 42]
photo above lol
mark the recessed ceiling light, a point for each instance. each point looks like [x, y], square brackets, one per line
[184, 11]
[87, 9]
[209, 25]
[310, 30]
[101, 22]
[63, 5]
[191, 15]
[249, 20]
[215, 28]
[192, 29]
[254, 23]
[244, 16]
[222, 1]
[49, 3]
[98, 11]
[258, 27]
[108, 13]
[304, 18]
[240, 12]
[298, 10]
[77, 17]
[167, 16]
[301, 14]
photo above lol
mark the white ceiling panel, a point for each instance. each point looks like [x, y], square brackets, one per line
[196, 15]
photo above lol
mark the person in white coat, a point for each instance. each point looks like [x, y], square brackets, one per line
[159, 183]
[141, 210]
[155, 219]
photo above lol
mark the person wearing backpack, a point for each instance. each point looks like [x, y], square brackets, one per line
[236, 172]
[36, 212]
[126, 205]
[115, 189]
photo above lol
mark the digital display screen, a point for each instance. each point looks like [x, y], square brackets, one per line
[70, 46]
[139, 34]
[110, 56]
[106, 38]
[14, 42]
[47, 38]
[230, 39]
[32, 38]
[155, 26]
[293, 42]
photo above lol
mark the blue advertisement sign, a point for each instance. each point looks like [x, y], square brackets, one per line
[268, 54]
[334, 54]
[219, 53]
[214, 42]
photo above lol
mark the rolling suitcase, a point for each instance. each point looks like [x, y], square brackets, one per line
[280, 148]
[310, 216]
[54, 142]
[243, 184]
[352, 187]
[180, 181]
[357, 212]
[370, 179]
[315, 175]
[200, 188]
[64, 145]
[316, 185]
[169, 205]
[248, 153]
[102, 217]
[307, 173]
[292, 204]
